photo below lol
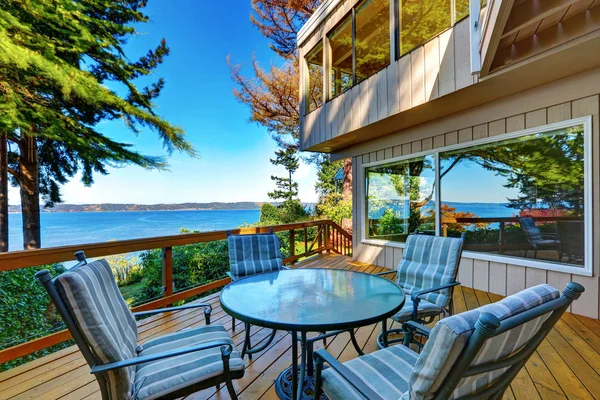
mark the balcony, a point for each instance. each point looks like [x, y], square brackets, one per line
[566, 365]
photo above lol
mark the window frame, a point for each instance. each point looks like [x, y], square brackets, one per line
[585, 270]
[307, 77]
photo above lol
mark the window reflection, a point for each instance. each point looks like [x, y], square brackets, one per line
[314, 94]
[524, 196]
[340, 41]
[372, 40]
[422, 20]
[400, 199]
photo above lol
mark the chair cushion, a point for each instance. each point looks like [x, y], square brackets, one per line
[157, 378]
[385, 371]
[426, 309]
[92, 297]
[449, 337]
[253, 254]
[429, 261]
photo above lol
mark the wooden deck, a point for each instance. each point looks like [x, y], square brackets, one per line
[566, 365]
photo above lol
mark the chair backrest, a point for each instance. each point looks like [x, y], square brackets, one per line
[479, 352]
[429, 261]
[98, 318]
[254, 254]
[531, 230]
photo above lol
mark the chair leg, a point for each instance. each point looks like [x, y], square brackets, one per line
[231, 390]
[318, 380]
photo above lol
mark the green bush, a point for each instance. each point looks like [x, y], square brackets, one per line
[25, 309]
[193, 265]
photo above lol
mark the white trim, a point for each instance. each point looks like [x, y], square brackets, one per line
[475, 35]
[586, 270]
[318, 16]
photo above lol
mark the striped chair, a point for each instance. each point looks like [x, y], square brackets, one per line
[427, 274]
[170, 366]
[472, 355]
[251, 255]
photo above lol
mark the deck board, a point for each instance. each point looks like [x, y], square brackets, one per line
[565, 366]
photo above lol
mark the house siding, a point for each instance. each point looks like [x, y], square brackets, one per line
[495, 277]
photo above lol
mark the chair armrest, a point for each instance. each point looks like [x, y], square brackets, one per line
[232, 276]
[226, 349]
[392, 271]
[285, 267]
[415, 297]
[416, 327]
[207, 310]
[323, 356]
[550, 235]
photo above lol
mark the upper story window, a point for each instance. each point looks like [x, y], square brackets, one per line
[314, 89]
[525, 197]
[340, 50]
[372, 42]
[359, 46]
[421, 20]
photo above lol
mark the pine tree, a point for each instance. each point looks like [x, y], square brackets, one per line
[287, 189]
[56, 59]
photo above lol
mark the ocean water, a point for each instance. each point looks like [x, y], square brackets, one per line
[60, 229]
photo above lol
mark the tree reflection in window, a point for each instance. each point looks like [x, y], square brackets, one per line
[528, 192]
[422, 20]
[372, 40]
[340, 42]
[314, 62]
[400, 198]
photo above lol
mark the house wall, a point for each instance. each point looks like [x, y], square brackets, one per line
[437, 68]
[573, 97]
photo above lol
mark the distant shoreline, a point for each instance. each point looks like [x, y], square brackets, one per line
[114, 207]
[124, 211]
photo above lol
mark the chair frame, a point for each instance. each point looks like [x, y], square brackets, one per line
[408, 336]
[532, 243]
[100, 369]
[486, 327]
[247, 347]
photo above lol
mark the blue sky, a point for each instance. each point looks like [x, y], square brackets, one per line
[234, 153]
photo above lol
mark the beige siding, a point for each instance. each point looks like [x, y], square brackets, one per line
[495, 277]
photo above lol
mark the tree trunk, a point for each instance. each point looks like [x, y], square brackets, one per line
[347, 182]
[3, 192]
[30, 192]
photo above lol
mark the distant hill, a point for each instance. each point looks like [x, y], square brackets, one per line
[109, 207]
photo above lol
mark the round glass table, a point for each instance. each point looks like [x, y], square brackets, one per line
[310, 300]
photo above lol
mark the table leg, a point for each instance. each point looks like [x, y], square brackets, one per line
[294, 365]
[384, 330]
[300, 387]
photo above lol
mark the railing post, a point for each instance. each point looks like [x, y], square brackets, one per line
[167, 271]
[320, 235]
[305, 241]
[292, 245]
[327, 238]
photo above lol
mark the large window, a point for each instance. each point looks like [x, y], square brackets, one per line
[523, 197]
[340, 44]
[314, 94]
[400, 199]
[372, 40]
[421, 20]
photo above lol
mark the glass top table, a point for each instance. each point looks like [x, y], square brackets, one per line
[311, 300]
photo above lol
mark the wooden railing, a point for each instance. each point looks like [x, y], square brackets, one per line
[329, 237]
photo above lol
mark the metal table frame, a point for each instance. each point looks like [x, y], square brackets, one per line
[299, 334]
